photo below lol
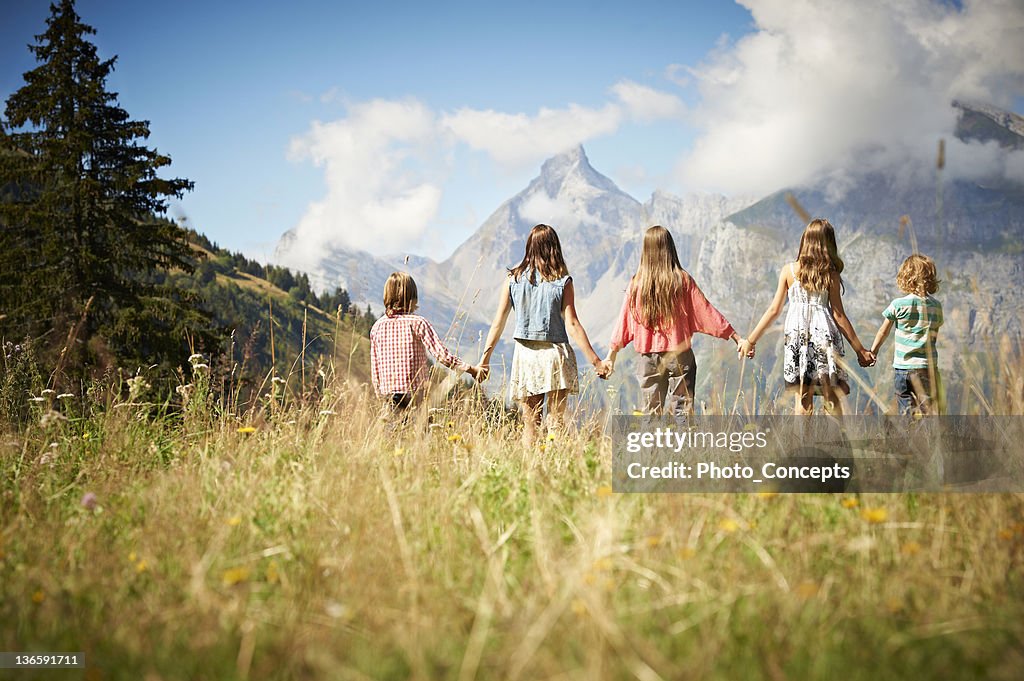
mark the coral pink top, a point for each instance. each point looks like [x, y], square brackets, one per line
[694, 314]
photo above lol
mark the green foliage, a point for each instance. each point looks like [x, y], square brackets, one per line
[80, 204]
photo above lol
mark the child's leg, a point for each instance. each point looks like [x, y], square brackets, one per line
[681, 382]
[653, 378]
[904, 392]
[804, 400]
[920, 385]
[531, 407]
[557, 400]
[833, 400]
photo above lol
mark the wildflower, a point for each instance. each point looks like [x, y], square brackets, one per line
[234, 521]
[194, 358]
[451, 424]
[132, 557]
[141, 566]
[875, 515]
[89, 501]
[278, 379]
[728, 525]
[38, 596]
[1006, 534]
[637, 412]
[202, 368]
[653, 540]
[910, 548]
[37, 399]
[552, 437]
[65, 396]
[234, 576]
[687, 552]
[849, 502]
[543, 448]
[47, 392]
[337, 610]
[454, 437]
[604, 491]
[326, 412]
[246, 429]
[86, 435]
[50, 418]
[399, 451]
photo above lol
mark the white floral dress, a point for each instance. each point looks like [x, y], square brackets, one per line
[813, 340]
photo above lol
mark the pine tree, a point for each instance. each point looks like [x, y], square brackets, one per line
[80, 211]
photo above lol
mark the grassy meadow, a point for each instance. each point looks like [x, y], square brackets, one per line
[306, 537]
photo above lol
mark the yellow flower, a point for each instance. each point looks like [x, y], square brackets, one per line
[637, 412]
[246, 429]
[849, 502]
[451, 424]
[234, 576]
[728, 525]
[604, 491]
[234, 521]
[86, 435]
[1006, 534]
[910, 548]
[551, 437]
[141, 566]
[272, 574]
[874, 515]
[132, 557]
[38, 596]
[653, 540]
[687, 552]
[399, 451]
[454, 437]
[543, 447]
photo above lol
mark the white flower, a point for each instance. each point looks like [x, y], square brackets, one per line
[37, 399]
[65, 396]
[196, 357]
[49, 392]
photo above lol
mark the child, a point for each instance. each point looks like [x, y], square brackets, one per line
[917, 317]
[541, 292]
[398, 340]
[662, 310]
[814, 321]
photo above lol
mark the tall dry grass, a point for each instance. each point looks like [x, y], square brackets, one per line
[312, 538]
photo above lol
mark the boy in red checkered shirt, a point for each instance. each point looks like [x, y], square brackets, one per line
[398, 344]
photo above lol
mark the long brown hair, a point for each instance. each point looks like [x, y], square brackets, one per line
[819, 256]
[543, 256]
[657, 287]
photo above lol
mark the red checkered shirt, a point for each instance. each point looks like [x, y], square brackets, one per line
[398, 358]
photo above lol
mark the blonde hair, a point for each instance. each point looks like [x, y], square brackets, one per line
[918, 275]
[400, 296]
[543, 256]
[657, 287]
[819, 256]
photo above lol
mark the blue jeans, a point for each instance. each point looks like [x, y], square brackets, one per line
[914, 390]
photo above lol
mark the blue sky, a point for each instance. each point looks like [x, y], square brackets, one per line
[387, 123]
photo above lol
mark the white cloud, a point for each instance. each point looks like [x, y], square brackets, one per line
[645, 104]
[823, 84]
[518, 139]
[378, 198]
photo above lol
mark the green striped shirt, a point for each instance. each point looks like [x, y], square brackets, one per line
[917, 322]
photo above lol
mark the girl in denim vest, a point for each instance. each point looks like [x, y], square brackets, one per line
[540, 291]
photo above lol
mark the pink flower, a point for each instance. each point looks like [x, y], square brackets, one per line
[89, 501]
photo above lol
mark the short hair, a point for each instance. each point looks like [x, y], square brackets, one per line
[918, 275]
[400, 296]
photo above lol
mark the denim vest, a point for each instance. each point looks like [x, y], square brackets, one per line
[538, 309]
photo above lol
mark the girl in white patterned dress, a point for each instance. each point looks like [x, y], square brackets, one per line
[815, 322]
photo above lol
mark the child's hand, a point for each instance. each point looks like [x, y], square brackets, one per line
[480, 373]
[745, 349]
[866, 358]
[605, 369]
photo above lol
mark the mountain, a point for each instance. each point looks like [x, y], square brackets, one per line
[733, 246]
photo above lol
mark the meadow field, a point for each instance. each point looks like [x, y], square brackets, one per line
[306, 537]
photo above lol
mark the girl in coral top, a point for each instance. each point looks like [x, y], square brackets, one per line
[662, 310]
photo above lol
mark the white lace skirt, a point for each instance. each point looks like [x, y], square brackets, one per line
[540, 367]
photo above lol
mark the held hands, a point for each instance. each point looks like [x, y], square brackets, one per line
[744, 348]
[604, 368]
[480, 372]
[866, 358]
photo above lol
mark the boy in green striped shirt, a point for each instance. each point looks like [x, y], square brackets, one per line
[917, 317]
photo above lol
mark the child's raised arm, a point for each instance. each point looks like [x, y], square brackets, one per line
[769, 316]
[497, 328]
[835, 300]
[576, 330]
